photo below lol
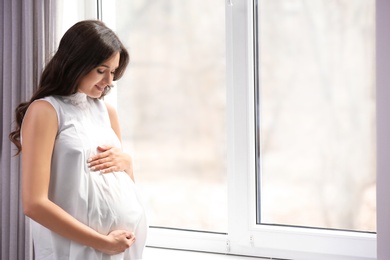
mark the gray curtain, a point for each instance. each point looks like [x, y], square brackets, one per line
[27, 40]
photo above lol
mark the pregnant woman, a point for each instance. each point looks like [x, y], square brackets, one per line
[77, 184]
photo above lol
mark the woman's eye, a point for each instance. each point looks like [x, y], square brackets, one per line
[100, 71]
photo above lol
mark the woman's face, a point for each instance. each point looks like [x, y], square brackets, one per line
[94, 83]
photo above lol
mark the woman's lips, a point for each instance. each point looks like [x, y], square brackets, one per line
[99, 88]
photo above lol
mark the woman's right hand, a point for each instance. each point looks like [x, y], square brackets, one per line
[118, 241]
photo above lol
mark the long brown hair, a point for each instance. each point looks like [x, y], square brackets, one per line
[82, 48]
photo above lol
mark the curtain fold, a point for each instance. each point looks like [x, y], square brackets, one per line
[26, 42]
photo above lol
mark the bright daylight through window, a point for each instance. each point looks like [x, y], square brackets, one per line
[316, 136]
[171, 104]
[252, 121]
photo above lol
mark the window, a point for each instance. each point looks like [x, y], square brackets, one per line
[171, 103]
[71, 11]
[316, 111]
[243, 223]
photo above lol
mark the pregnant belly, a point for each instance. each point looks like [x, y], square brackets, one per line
[112, 202]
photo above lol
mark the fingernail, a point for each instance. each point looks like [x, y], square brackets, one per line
[93, 168]
[89, 160]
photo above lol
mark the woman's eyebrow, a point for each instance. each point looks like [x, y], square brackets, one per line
[106, 66]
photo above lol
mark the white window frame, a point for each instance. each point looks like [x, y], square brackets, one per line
[244, 236]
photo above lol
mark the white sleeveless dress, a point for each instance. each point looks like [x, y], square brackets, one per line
[104, 202]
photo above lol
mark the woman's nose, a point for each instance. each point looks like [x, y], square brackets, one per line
[108, 78]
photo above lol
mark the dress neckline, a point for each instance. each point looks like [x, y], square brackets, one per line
[77, 99]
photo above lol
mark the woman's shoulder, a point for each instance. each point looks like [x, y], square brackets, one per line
[40, 120]
[48, 100]
[41, 107]
[42, 113]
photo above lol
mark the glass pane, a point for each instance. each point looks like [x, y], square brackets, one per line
[172, 104]
[317, 113]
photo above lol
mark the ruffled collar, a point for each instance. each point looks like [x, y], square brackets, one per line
[77, 99]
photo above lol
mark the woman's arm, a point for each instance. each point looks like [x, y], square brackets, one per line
[39, 130]
[112, 158]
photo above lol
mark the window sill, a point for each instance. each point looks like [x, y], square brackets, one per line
[159, 253]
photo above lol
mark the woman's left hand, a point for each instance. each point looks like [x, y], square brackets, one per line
[110, 159]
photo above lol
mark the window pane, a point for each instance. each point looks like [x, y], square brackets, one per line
[317, 113]
[171, 104]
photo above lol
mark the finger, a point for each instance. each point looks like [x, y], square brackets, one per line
[130, 235]
[95, 157]
[99, 162]
[99, 156]
[131, 240]
[103, 148]
[102, 166]
[109, 169]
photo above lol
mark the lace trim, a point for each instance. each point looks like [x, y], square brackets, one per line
[77, 99]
